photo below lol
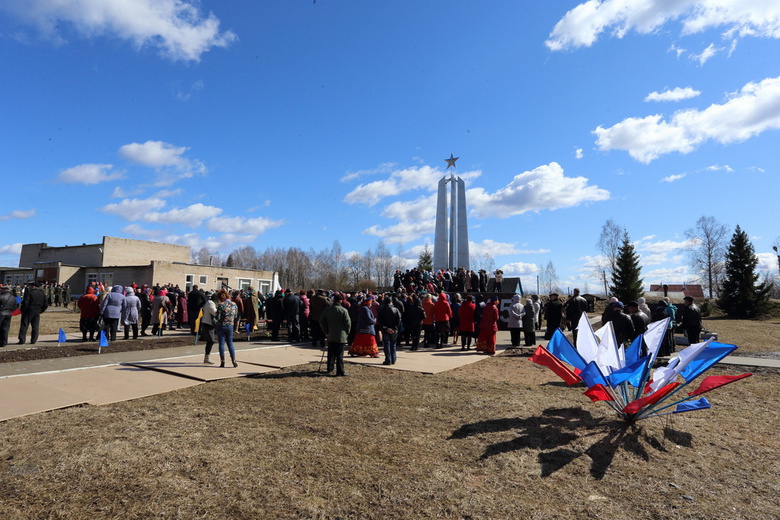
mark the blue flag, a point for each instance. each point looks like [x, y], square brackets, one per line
[708, 357]
[633, 373]
[634, 350]
[248, 328]
[592, 376]
[689, 406]
[560, 347]
[103, 340]
[62, 338]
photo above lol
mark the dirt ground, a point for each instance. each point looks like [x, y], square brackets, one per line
[502, 438]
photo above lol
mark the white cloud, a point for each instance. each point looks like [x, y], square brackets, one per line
[420, 209]
[252, 226]
[706, 54]
[13, 249]
[147, 210]
[18, 214]
[176, 27]
[402, 232]
[133, 209]
[578, 153]
[672, 178]
[89, 174]
[501, 248]
[121, 193]
[717, 168]
[675, 94]
[381, 169]
[168, 160]
[654, 252]
[519, 269]
[543, 188]
[752, 110]
[582, 26]
[400, 181]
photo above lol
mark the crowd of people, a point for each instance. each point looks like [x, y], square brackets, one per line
[419, 313]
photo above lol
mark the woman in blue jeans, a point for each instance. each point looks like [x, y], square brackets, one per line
[227, 314]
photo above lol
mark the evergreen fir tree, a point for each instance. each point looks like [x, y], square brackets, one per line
[626, 283]
[741, 296]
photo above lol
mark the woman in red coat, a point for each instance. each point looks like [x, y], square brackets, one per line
[443, 313]
[488, 326]
[466, 327]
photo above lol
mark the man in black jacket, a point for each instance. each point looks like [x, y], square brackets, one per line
[690, 319]
[33, 304]
[7, 307]
[195, 300]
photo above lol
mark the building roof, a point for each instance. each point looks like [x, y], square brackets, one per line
[692, 290]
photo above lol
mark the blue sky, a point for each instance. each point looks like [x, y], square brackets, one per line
[297, 123]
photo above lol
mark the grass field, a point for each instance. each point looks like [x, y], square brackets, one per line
[501, 438]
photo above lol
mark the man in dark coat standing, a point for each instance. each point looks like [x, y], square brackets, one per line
[317, 305]
[7, 307]
[575, 307]
[34, 304]
[275, 314]
[195, 300]
[292, 311]
[335, 324]
[690, 320]
[553, 313]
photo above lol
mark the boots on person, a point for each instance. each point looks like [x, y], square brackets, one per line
[233, 359]
[207, 360]
[221, 361]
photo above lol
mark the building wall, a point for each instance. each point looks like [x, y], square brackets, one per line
[176, 273]
[125, 251]
[88, 254]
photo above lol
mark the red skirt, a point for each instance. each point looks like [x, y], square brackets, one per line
[486, 342]
[364, 345]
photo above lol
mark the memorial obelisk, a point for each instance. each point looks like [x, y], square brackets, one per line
[451, 241]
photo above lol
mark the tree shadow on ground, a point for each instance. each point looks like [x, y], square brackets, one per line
[553, 431]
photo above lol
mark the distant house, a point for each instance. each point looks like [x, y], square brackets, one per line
[125, 261]
[677, 291]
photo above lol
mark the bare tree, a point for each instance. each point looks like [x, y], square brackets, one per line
[383, 265]
[203, 256]
[708, 249]
[356, 272]
[609, 243]
[548, 278]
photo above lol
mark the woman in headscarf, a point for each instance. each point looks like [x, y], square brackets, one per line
[364, 343]
[529, 323]
[90, 310]
[466, 325]
[488, 326]
[131, 308]
[111, 310]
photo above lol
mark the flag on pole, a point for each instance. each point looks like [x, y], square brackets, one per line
[633, 373]
[636, 405]
[587, 343]
[598, 393]
[689, 406]
[708, 357]
[560, 347]
[103, 341]
[713, 382]
[592, 376]
[544, 358]
[61, 338]
[17, 311]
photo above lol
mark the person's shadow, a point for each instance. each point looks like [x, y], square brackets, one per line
[552, 432]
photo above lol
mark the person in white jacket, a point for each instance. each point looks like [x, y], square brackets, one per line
[514, 324]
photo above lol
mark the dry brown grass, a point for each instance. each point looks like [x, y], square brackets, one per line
[498, 439]
[501, 438]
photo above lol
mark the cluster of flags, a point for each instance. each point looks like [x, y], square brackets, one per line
[623, 377]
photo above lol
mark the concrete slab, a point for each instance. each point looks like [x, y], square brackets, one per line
[280, 357]
[25, 396]
[192, 367]
[750, 362]
[426, 361]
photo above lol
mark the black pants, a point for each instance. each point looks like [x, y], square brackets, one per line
[465, 338]
[293, 328]
[133, 326]
[693, 335]
[5, 326]
[29, 319]
[275, 326]
[110, 326]
[429, 335]
[336, 357]
[414, 335]
[530, 335]
[207, 332]
[316, 334]
[514, 333]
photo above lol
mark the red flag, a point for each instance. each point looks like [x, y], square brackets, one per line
[543, 357]
[16, 312]
[634, 406]
[713, 382]
[598, 393]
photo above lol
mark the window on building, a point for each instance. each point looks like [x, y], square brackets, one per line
[91, 277]
[203, 280]
[107, 279]
[8, 280]
[188, 282]
[28, 278]
[264, 286]
[243, 283]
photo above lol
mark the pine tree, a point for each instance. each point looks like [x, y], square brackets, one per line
[741, 296]
[425, 262]
[626, 284]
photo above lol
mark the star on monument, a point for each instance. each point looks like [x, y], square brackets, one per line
[451, 161]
